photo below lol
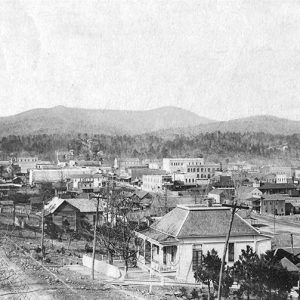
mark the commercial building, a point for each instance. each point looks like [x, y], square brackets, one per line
[155, 183]
[172, 165]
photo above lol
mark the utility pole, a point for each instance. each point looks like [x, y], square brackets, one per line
[42, 238]
[234, 207]
[95, 236]
[292, 243]
[274, 217]
[166, 198]
[14, 214]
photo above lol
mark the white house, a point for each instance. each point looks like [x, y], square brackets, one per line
[248, 192]
[217, 194]
[173, 245]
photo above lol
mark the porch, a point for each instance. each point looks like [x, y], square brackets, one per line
[157, 252]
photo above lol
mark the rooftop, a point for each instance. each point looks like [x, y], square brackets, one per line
[216, 192]
[275, 197]
[276, 186]
[198, 221]
[83, 205]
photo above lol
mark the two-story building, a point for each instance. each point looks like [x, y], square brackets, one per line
[173, 165]
[26, 163]
[86, 182]
[273, 204]
[155, 183]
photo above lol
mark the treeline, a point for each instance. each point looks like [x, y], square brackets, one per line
[226, 144]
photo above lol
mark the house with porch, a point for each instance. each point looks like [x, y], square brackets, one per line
[173, 246]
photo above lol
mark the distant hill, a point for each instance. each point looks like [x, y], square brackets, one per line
[264, 123]
[64, 120]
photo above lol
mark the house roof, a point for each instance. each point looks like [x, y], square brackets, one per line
[274, 197]
[86, 176]
[273, 186]
[83, 205]
[216, 192]
[198, 221]
[141, 194]
[246, 189]
[286, 263]
[296, 250]
[160, 237]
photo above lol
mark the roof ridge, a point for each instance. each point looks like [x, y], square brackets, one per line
[252, 227]
[188, 212]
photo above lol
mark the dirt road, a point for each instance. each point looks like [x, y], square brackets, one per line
[15, 284]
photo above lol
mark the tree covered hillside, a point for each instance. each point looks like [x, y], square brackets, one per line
[213, 145]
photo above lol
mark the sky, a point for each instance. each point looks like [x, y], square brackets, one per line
[219, 59]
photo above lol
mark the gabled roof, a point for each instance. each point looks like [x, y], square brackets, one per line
[199, 221]
[141, 194]
[83, 205]
[246, 189]
[53, 205]
[286, 263]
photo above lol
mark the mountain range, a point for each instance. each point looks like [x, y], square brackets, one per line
[262, 123]
[63, 120]
[165, 121]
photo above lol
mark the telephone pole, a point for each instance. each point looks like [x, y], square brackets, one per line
[292, 243]
[95, 237]
[42, 238]
[234, 207]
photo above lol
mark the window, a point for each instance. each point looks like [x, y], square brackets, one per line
[231, 252]
[197, 258]
[173, 253]
[197, 169]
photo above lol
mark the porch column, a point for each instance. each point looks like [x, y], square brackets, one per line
[145, 250]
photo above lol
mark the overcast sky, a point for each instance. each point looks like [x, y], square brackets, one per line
[220, 59]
